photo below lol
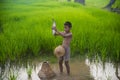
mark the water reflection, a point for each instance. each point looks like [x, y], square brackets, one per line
[102, 73]
[83, 71]
[20, 72]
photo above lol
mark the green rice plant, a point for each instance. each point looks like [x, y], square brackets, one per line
[29, 71]
[116, 4]
[12, 75]
[97, 3]
[27, 29]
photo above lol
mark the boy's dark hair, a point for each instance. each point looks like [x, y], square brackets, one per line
[67, 23]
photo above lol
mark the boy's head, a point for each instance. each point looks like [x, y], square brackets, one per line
[67, 26]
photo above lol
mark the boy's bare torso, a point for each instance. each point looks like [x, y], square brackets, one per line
[66, 39]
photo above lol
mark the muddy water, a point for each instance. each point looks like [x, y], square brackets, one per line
[80, 70]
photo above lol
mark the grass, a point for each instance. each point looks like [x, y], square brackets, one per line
[29, 71]
[12, 75]
[116, 4]
[26, 29]
[97, 3]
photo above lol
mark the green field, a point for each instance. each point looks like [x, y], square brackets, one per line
[117, 4]
[25, 29]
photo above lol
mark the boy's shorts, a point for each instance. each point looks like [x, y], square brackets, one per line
[66, 56]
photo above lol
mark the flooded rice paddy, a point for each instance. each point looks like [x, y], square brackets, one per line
[80, 70]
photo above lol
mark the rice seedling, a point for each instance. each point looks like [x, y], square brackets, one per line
[29, 71]
[12, 75]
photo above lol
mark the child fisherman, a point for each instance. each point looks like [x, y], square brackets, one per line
[67, 36]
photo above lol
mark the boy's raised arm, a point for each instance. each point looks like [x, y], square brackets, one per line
[56, 32]
[62, 33]
[65, 35]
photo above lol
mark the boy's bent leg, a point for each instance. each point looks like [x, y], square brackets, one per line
[67, 67]
[61, 64]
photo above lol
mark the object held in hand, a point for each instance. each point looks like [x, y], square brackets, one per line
[53, 27]
[59, 51]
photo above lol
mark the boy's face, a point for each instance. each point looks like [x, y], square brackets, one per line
[66, 28]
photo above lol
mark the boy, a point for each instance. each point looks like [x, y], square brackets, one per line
[67, 36]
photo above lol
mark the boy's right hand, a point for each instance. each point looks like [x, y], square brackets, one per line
[54, 28]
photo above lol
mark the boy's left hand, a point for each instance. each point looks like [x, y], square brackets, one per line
[55, 29]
